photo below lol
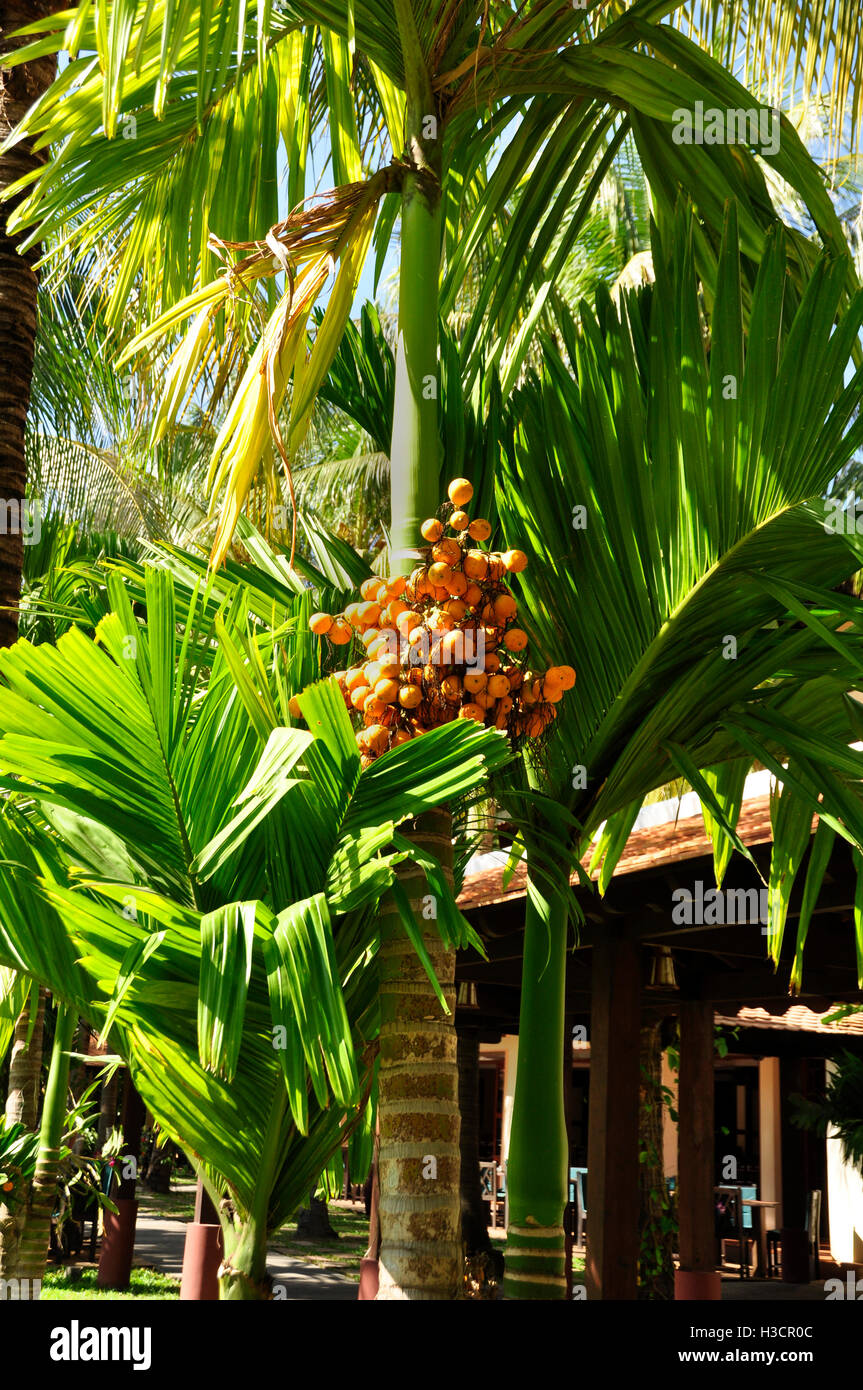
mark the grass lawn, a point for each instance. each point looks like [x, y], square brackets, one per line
[145, 1283]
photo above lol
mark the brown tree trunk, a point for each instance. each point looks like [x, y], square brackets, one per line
[656, 1265]
[22, 1106]
[420, 1211]
[19, 88]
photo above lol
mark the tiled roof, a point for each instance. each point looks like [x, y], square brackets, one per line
[798, 1017]
[647, 848]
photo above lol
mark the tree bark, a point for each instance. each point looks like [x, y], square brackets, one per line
[656, 1264]
[313, 1221]
[43, 1194]
[420, 1209]
[22, 1106]
[19, 89]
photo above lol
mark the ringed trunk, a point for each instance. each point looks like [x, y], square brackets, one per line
[536, 1170]
[19, 89]
[420, 1208]
[43, 1196]
[22, 1106]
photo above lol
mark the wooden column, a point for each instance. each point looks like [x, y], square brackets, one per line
[697, 1277]
[612, 1156]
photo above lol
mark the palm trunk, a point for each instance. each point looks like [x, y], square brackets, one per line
[43, 1195]
[243, 1274]
[22, 1106]
[656, 1263]
[420, 1209]
[420, 1256]
[19, 88]
[536, 1170]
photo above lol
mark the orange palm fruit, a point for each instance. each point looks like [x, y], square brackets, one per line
[458, 585]
[460, 491]
[396, 585]
[492, 661]
[456, 608]
[450, 647]
[483, 699]
[377, 647]
[552, 693]
[515, 561]
[479, 529]
[410, 696]
[394, 610]
[505, 704]
[340, 632]
[407, 621]
[354, 677]
[496, 567]
[369, 636]
[369, 587]
[475, 564]
[359, 696]
[440, 574]
[378, 738]
[320, 623]
[448, 550]
[401, 736]
[431, 530]
[474, 681]
[515, 640]
[472, 711]
[372, 672]
[389, 666]
[472, 595]
[564, 676]
[373, 705]
[294, 708]
[451, 689]
[387, 690]
[505, 607]
[497, 685]
[368, 613]
[459, 521]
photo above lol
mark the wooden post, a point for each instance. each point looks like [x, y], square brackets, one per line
[697, 1277]
[612, 1161]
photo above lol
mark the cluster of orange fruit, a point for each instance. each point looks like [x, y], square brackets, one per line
[443, 643]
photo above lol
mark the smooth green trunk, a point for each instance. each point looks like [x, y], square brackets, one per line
[420, 1254]
[243, 1273]
[43, 1195]
[415, 451]
[537, 1166]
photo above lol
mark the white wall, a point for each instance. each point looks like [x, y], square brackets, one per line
[844, 1201]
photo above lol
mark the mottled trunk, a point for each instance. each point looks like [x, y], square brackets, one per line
[420, 1213]
[19, 88]
[43, 1194]
[313, 1222]
[22, 1106]
[656, 1265]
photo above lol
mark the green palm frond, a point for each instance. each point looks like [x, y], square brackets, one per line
[675, 491]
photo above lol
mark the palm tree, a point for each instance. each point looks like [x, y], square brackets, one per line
[436, 88]
[676, 533]
[199, 880]
[20, 86]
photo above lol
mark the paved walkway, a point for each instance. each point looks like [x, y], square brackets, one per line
[159, 1243]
